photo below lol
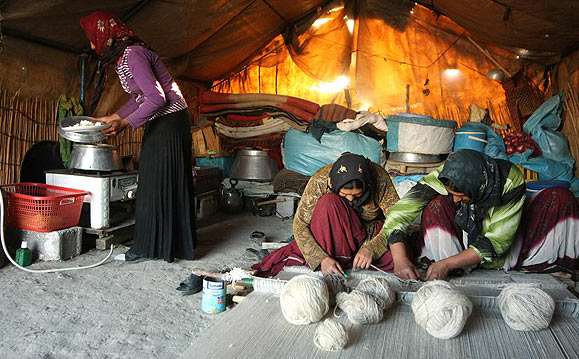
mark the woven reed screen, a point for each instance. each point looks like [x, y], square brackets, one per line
[25, 121]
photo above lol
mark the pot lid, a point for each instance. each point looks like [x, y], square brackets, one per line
[99, 146]
[254, 153]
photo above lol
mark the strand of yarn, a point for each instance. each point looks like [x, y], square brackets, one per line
[380, 288]
[361, 307]
[441, 309]
[526, 307]
[268, 285]
[330, 335]
[304, 300]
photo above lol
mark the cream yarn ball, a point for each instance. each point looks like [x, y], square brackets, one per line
[361, 307]
[441, 309]
[330, 335]
[304, 300]
[526, 307]
[379, 288]
[335, 285]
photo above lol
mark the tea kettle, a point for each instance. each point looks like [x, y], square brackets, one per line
[231, 199]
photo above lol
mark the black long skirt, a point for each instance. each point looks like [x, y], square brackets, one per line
[165, 214]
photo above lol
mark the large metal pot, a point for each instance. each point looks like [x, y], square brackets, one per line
[253, 165]
[95, 157]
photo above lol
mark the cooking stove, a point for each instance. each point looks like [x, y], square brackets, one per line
[104, 188]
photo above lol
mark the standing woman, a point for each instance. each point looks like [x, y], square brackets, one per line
[165, 216]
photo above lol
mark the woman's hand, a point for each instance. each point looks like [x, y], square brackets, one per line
[438, 270]
[331, 266]
[118, 124]
[405, 269]
[363, 258]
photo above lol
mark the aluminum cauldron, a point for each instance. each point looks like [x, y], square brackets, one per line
[98, 157]
[253, 165]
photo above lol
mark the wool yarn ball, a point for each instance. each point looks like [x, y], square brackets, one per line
[304, 300]
[330, 335]
[441, 309]
[361, 307]
[526, 307]
[335, 285]
[380, 288]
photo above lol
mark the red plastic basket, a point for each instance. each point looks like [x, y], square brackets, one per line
[42, 208]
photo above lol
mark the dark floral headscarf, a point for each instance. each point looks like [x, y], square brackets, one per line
[347, 168]
[102, 28]
[482, 179]
[110, 37]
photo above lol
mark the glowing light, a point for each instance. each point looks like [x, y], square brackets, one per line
[336, 9]
[451, 73]
[364, 107]
[339, 84]
[350, 24]
[412, 11]
[320, 22]
[518, 57]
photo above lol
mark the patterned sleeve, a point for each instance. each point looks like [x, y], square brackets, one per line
[386, 198]
[405, 211]
[315, 189]
[500, 224]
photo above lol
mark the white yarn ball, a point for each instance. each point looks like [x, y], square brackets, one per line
[441, 309]
[335, 285]
[304, 300]
[361, 307]
[380, 288]
[526, 307]
[330, 335]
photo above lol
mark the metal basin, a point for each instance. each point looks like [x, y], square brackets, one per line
[253, 165]
[408, 157]
[95, 158]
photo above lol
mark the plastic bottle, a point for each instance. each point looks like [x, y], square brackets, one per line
[24, 255]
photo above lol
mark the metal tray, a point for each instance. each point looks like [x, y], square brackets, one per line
[408, 157]
[67, 124]
[82, 137]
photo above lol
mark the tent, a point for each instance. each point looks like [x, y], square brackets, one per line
[294, 48]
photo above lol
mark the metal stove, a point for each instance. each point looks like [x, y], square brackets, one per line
[104, 188]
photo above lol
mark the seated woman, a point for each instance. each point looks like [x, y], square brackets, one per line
[471, 210]
[337, 223]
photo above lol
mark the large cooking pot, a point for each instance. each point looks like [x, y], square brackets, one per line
[253, 165]
[99, 157]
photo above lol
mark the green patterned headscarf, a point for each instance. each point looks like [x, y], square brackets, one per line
[482, 179]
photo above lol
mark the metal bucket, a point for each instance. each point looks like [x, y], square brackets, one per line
[253, 165]
[213, 297]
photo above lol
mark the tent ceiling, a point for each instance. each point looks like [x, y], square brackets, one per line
[209, 39]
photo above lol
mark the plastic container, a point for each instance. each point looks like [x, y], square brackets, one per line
[223, 163]
[412, 133]
[23, 255]
[42, 208]
[537, 186]
[466, 139]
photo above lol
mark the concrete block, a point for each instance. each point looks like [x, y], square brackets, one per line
[49, 246]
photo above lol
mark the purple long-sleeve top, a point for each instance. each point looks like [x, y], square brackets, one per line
[153, 91]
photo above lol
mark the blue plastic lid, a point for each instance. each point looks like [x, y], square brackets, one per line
[539, 185]
[420, 120]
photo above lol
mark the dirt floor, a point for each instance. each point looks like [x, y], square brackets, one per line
[120, 310]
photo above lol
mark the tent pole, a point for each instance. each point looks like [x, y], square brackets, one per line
[83, 61]
[486, 53]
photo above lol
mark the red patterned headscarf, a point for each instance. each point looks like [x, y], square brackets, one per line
[102, 29]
